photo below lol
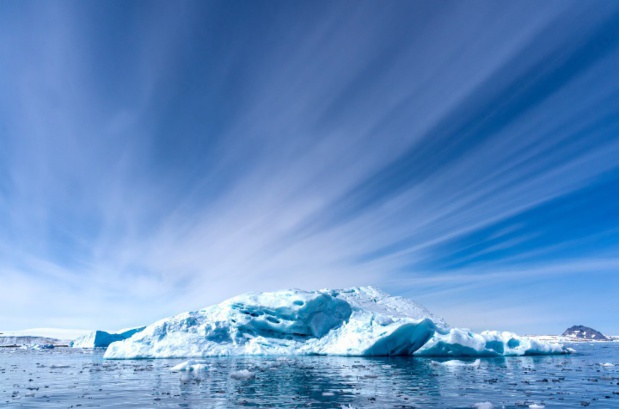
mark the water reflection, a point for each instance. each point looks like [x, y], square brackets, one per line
[62, 378]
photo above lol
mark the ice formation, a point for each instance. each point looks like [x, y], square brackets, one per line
[102, 339]
[360, 321]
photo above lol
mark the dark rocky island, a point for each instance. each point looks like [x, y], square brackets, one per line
[582, 332]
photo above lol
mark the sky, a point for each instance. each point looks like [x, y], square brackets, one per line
[158, 157]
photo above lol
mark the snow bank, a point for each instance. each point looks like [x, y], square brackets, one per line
[102, 339]
[358, 322]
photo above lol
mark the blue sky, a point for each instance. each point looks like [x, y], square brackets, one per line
[157, 157]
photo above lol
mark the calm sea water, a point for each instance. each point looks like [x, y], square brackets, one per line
[66, 378]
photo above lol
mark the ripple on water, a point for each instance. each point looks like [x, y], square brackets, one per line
[63, 377]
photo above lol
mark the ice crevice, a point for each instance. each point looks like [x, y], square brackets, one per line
[360, 321]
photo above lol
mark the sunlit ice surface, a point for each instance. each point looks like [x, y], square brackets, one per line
[64, 377]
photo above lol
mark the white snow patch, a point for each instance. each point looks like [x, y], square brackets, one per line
[483, 405]
[536, 406]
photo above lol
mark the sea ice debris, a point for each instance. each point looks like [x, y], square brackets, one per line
[458, 363]
[190, 366]
[242, 375]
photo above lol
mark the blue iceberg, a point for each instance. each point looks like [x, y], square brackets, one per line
[361, 321]
[103, 339]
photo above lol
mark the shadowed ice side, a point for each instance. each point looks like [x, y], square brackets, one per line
[359, 321]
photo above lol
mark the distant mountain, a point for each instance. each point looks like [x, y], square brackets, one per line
[582, 332]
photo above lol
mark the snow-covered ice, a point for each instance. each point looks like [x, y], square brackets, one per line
[483, 405]
[360, 321]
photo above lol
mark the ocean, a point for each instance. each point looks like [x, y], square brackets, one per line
[71, 378]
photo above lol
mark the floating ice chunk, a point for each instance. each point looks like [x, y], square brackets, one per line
[360, 321]
[242, 375]
[536, 406]
[483, 405]
[457, 363]
[190, 366]
[40, 347]
[607, 365]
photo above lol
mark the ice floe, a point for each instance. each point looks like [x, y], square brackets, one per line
[242, 375]
[190, 366]
[457, 363]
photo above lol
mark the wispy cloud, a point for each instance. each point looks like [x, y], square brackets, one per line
[160, 157]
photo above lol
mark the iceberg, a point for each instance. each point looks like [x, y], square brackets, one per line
[102, 339]
[361, 321]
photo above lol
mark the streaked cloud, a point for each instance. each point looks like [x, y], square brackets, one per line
[161, 157]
